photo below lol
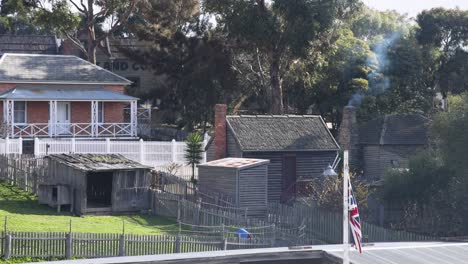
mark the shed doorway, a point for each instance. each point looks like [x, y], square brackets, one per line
[99, 189]
[288, 184]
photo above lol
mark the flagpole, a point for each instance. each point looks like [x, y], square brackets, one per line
[345, 208]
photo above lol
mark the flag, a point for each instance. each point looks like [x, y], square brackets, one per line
[354, 221]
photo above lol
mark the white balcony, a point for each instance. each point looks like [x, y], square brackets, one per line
[70, 130]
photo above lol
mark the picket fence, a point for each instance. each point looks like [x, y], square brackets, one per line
[93, 245]
[162, 155]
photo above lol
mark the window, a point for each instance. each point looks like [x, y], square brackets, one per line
[19, 112]
[100, 112]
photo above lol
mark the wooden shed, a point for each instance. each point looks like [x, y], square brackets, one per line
[96, 183]
[245, 180]
[299, 147]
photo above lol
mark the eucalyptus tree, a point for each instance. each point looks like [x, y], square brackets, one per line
[280, 31]
[72, 18]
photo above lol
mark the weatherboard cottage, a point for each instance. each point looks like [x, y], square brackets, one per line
[299, 147]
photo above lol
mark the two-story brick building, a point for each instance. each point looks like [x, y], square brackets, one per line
[62, 96]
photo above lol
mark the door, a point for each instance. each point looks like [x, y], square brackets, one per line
[288, 186]
[63, 118]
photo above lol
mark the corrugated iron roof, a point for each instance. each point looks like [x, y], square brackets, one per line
[235, 163]
[97, 162]
[63, 92]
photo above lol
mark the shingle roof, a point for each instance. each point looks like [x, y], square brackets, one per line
[34, 44]
[64, 93]
[279, 133]
[399, 129]
[34, 68]
[97, 162]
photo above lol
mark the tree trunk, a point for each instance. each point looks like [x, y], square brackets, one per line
[276, 99]
[91, 45]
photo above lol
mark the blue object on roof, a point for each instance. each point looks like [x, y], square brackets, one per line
[242, 233]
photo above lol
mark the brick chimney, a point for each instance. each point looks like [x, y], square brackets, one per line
[348, 136]
[67, 47]
[220, 131]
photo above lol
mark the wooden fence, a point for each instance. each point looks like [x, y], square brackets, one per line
[89, 245]
[24, 171]
[327, 226]
[162, 155]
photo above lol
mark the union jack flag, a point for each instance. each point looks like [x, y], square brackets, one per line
[354, 221]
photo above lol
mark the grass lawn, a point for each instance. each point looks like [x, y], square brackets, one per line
[26, 214]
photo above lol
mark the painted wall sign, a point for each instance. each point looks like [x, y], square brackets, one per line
[120, 65]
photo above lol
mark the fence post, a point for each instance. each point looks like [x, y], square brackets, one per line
[68, 246]
[36, 147]
[273, 235]
[142, 153]
[122, 245]
[7, 145]
[206, 138]
[177, 244]
[7, 246]
[225, 244]
[73, 145]
[108, 146]
[20, 145]
[174, 156]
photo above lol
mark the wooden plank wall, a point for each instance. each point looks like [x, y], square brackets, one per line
[215, 179]
[253, 190]
[308, 165]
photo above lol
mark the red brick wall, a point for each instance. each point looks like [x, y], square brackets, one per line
[115, 88]
[37, 112]
[113, 112]
[220, 131]
[80, 112]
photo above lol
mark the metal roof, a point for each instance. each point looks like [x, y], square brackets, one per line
[411, 253]
[380, 253]
[56, 69]
[238, 163]
[63, 93]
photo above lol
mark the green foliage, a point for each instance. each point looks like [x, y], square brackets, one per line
[280, 32]
[18, 17]
[436, 184]
[26, 214]
[60, 18]
[194, 151]
[328, 80]
[410, 79]
[447, 31]
[194, 62]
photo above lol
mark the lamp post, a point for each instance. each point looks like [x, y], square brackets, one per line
[330, 172]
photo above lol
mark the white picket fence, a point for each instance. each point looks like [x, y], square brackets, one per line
[161, 155]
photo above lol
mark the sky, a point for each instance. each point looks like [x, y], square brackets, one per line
[413, 7]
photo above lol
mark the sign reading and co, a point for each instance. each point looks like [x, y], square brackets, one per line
[122, 66]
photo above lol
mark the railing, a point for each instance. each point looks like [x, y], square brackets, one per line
[71, 130]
